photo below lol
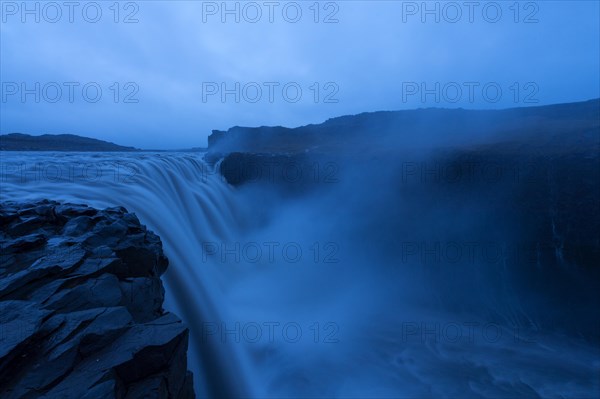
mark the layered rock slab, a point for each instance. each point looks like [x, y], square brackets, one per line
[81, 306]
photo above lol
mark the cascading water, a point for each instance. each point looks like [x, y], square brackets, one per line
[305, 297]
[179, 198]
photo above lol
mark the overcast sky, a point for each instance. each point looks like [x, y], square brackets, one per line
[151, 74]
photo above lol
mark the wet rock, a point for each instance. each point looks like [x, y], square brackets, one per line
[143, 297]
[25, 243]
[101, 292]
[78, 226]
[81, 307]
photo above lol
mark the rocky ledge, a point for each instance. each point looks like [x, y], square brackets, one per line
[81, 307]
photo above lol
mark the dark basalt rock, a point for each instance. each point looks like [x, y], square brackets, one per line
[81, 307]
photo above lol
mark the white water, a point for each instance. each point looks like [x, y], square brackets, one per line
[357, 316]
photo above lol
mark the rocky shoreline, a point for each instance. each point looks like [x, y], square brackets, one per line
[81, 307]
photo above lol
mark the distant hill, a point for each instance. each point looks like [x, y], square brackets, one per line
[56, 142]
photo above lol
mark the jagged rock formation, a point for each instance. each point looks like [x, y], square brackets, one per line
[81, 307]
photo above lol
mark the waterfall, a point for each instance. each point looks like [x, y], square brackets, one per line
[180, 198]
[350, 317]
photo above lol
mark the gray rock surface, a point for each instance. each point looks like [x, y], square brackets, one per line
[81, 307]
